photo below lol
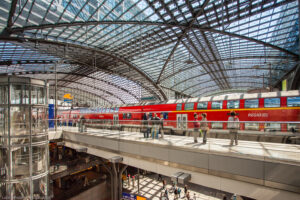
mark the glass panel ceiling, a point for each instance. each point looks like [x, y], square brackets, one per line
[191, 47]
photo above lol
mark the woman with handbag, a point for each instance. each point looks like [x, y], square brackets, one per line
[204, 127]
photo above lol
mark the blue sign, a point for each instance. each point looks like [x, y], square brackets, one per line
[51, 115]
[128, 196]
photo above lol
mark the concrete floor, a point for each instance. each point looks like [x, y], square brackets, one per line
[259, 150]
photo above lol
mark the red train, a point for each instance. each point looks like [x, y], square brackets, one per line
[256, 111]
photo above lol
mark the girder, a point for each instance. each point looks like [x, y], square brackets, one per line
[152, 43]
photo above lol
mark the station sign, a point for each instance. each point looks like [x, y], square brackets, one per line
[127, 196]
[68, 98]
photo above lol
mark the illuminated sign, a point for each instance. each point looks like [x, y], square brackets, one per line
[68, 97]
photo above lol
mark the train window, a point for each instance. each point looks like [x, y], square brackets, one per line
[128, 115]
[178, 107]
[272, 102]
[202, 105]
[293, 101]
[233, 104]
[164, 115]
[189, 106]
[124, 115]
[251, 103]
[216, 105]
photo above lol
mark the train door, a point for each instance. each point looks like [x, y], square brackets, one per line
[181, 121]
[116, 119]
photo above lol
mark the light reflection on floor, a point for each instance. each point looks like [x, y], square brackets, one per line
[152, 189]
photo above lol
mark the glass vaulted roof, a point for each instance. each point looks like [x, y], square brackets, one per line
[124, 50]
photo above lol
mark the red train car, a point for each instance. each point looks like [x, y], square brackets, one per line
[256, 111]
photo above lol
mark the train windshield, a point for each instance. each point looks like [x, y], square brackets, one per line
[272, 102]
[251, 103]
[293, 101]
[233, 104]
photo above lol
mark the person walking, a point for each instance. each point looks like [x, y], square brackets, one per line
[188, 196]
[179, 191]
[185, 190]
[175, 193]
[233, 126]
[204, 127]
[196, 127]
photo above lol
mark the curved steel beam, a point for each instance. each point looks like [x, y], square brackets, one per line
[101, 97]
[235, 58]
[68, 81]
[229, 77]
[147, 23]
[214, 87]
[121, 59]
[11, 13]
[80, 75]
[197, 76]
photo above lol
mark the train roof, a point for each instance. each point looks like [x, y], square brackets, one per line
[290, 93]
[237, 97]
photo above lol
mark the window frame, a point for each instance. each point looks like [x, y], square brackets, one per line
[232, 101]
[272, 106]
[202, 103]
[180, 107]
[257, 105]
[185, 105]
[287, 101]
[212, 103]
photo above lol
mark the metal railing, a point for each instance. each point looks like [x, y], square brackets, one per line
[251, 127]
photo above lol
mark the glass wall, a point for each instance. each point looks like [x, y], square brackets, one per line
[24, 162]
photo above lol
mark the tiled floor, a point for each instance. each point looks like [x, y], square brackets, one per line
[152, 189]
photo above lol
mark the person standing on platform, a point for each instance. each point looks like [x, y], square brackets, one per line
[233, 126]
[161, 126]
[133, 181]
[196, 127]
[194, 197]
[128, 180]
[204, 127]
[82, 124]
[145, 125]
[155, 125]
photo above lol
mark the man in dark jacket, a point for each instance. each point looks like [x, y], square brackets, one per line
[146, 125]
[155, 126]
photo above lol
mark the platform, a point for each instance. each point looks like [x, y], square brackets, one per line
[253, 169]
